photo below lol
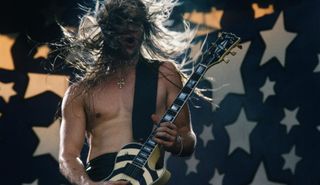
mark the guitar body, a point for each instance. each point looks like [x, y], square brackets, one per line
[126, 169]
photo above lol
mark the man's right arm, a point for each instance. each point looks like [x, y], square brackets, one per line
[72, 135]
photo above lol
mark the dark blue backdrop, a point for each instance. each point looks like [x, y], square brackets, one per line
[265, 131]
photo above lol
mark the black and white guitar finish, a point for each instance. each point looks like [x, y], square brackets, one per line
[136, 162]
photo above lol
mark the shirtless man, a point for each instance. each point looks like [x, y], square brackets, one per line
[103, 113]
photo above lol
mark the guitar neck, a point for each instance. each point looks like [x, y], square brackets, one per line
[215, 55]
[171, 113]
[184, 94]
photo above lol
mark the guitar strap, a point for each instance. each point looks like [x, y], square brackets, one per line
[145, 98]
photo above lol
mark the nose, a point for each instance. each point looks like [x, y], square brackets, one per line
[134, 27]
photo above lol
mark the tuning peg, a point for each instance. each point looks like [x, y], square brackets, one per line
[233, 53]
[226, 60]
[239, 46]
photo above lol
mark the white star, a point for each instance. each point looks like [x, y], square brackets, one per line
[227, 77]
[239, 133]
[39, 83]
[261, 177]
[49, 140]
[192, 164]
[291, 160]
[318, 127]
[6, 91]
[276, 41]
[33, 183]
[267, 89]
[6, 59]
[217, 178]
[317, 69]
[206, 134]
[290, 119]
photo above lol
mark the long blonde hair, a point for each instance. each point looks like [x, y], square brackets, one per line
[84, 48]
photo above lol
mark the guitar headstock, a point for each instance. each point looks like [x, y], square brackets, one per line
[223, 46]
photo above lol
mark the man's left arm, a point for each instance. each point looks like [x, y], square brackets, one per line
[178, 137]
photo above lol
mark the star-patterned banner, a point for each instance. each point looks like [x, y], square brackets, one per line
[263, 127]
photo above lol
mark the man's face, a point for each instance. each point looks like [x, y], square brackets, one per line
[130, 38]
[127, 34]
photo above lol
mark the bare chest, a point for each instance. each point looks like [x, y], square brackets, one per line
[110, 100]
[111, 105]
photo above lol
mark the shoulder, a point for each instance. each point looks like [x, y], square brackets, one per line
[168, 67]
[170, 74]
[74, 90]
[74, 94]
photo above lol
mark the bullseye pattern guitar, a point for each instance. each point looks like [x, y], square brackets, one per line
[136, 162]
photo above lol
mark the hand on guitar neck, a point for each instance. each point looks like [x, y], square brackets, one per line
[167, 136]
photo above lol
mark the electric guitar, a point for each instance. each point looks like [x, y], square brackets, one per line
[136, 162]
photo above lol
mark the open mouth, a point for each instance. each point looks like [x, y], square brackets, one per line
[130, 40]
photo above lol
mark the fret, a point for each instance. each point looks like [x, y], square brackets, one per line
[178, 102]
[191, 83]
[196, 77]
[186, 90]
[136, 163]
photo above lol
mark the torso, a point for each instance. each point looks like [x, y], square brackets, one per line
[109, 113]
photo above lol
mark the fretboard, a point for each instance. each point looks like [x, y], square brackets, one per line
[214, 55]
[171, 114]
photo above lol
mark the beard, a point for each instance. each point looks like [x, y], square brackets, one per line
[117, 57]
[123, 47]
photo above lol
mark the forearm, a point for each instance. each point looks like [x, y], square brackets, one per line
[73, 170]
[188, 142]
[185, 145]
